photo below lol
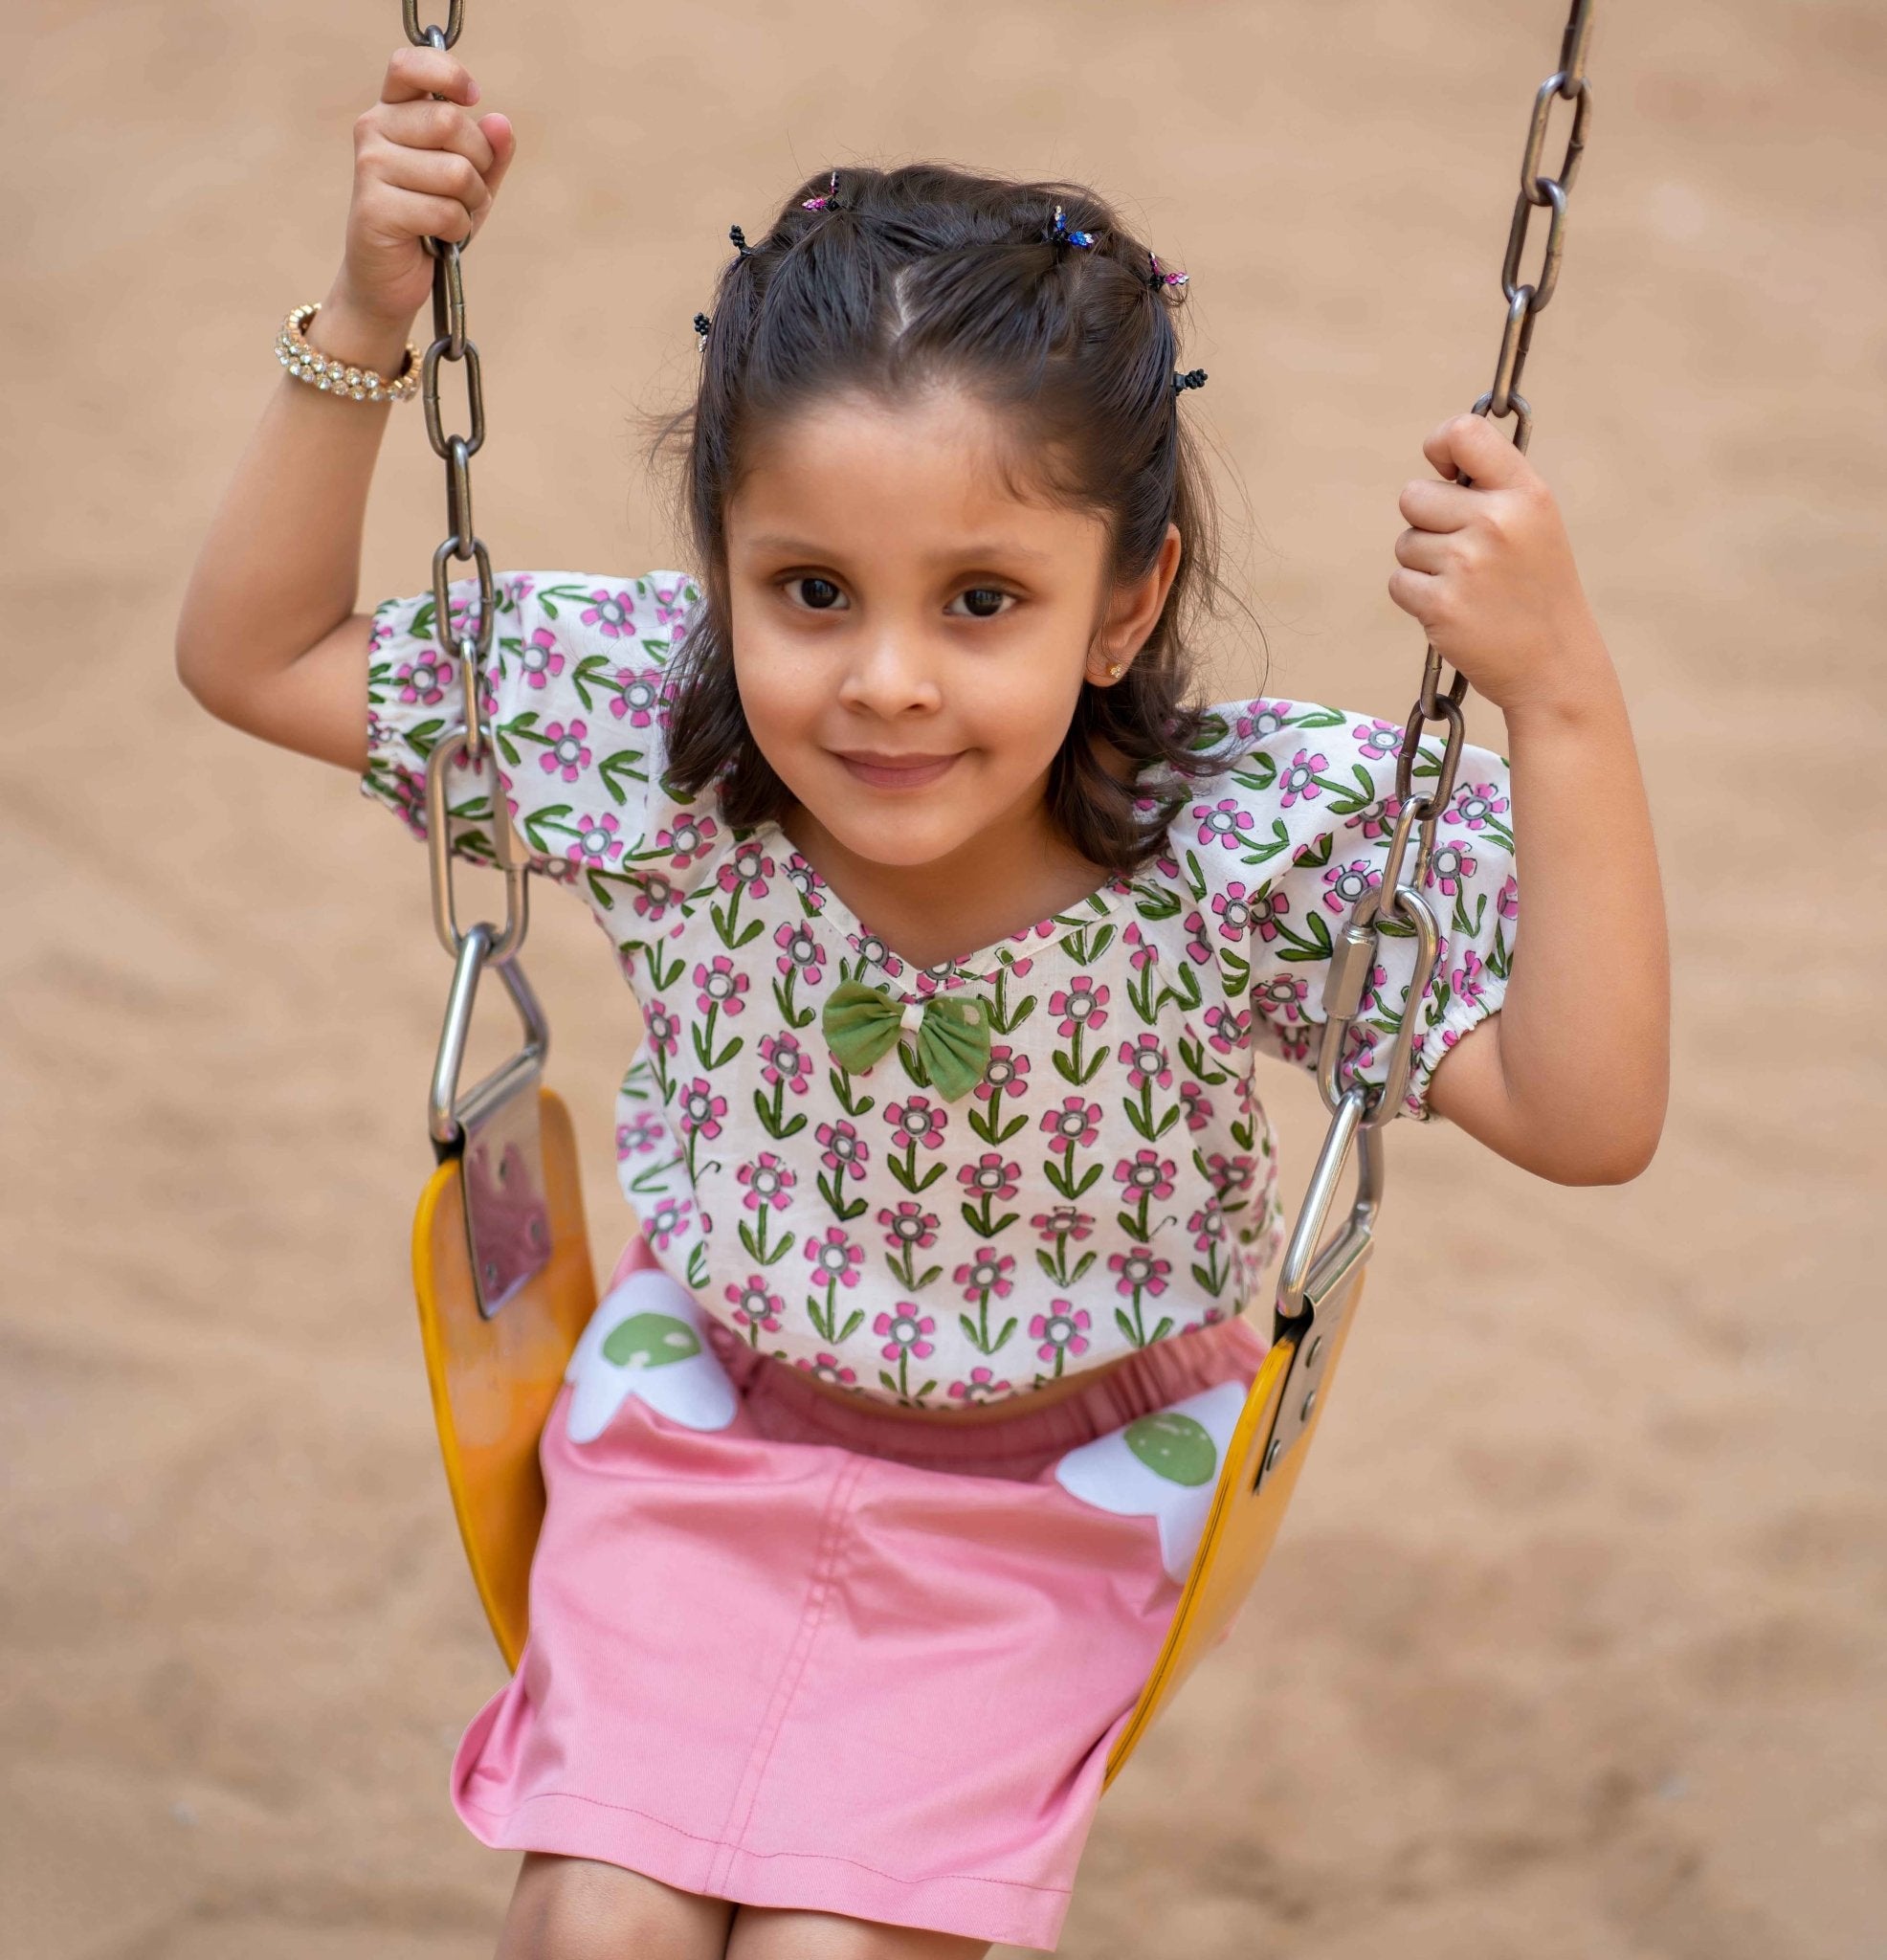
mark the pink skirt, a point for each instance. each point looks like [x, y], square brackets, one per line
[793, 1654]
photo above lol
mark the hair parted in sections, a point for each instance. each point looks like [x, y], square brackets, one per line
[902, 279]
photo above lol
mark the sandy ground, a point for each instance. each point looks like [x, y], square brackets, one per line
[1573, 1648]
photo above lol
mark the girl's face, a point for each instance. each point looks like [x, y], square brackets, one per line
[909, 635]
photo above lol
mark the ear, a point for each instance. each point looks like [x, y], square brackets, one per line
[1133, 610]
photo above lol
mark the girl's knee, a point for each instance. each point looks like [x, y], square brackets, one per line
[578, 1908]
[769, 1933]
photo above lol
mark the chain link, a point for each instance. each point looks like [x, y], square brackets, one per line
[465, 642]
[1396, 907]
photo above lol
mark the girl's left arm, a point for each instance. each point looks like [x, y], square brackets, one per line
[1569, 1079]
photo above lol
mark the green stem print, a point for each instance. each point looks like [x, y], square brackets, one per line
[701, 1032]
[785, 992]
[770, 1109]
[1138, 1110]
[826, 1319]
[977, 1331]
[903, 1165]
[754, 1238]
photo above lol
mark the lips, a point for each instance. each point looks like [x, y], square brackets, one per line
[883, 771]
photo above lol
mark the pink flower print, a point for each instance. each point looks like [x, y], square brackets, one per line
[990, 1177]
[611, 612]
[1227, 1174]
[988, 1272]
[916, 1123]
[1222, 822]
[382, 633]
[666, 1221]
[1072, 1124]
[1377, 738]
[1378, 978]
[1080, 1005]
[1234, 910]
[843, 1149]
[638, 1136]
[1139, 1270]
[1008, 1072]
[722, 985]
[1264, 908]
[667, 612]
[521, 585]
[538, 658]
[767, 1181]
[1228, 1030]
[785, 1061]
[1294, 1043]
[565, 755]
[688, 838]
[1300, 778]
[750, 866]
[1167, 867]
[1470, 978]
[1062, 1221]
[1508, 903]
[1145, 1058]
[826, 1368]
[1198, 946]
[833, 1257]
[1474, 805]
[1020, 966]
[1359, 1045]
[701, 1109]
[597, 841]
[1281, 997]
[799, 951]
[654, 896]
[424, 681]
[1145, 1174]
[982, 1387]
[664, 1030]
[1449, 865]
[909, 1226]
[1344, 885]
[1197, 1105]
[905, 1331]
[636, 698]
[1263, 719]
[754, 1306]
[1377, 819]
[1208, 1228]
[880, 955]
[1061, 1330]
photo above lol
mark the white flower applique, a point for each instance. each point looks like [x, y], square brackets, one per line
[647, 1339]
[1165, 1466]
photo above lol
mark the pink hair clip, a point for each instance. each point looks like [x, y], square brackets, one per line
[824, 203]
[1157, 278]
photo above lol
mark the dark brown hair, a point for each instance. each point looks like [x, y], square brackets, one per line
[908, 277]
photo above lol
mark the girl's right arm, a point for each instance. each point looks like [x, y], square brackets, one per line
[268, 638]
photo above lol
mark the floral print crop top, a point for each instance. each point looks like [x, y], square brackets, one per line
[1110, 1180]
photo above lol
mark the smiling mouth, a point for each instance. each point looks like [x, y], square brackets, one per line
[895, 771]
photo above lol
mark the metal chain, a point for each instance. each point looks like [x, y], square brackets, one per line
[1363, 935]
[469, 644]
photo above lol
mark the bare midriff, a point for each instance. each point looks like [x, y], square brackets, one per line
[977, 1411]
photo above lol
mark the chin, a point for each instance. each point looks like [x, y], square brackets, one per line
[902, 837]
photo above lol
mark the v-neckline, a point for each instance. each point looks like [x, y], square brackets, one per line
[819, 900]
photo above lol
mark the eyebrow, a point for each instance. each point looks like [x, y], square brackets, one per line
[976, 549]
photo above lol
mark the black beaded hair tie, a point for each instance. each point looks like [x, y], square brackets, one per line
[741, 246]
[701, 325]
[1193, 377]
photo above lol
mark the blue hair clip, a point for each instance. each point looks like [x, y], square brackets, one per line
[1059, 233]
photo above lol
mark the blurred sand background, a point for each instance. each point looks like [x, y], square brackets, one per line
[1572, 1649]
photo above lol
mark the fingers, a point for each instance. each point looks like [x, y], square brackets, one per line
[438, 174]
[1474, 446]
[497, 133]
[428, 125]
[416, 72]
[1434, 506]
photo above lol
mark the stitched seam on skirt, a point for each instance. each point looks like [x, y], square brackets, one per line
[629, 1809]
[812, 1614]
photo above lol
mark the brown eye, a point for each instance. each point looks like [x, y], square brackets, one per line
[985, 602]
[818, 594]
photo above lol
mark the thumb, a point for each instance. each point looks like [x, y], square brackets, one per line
[498, 131]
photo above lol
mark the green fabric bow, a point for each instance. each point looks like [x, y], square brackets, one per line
[862, 1025]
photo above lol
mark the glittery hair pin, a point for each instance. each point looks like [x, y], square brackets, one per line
[1156, 278]
[828, 202]
[1060, 233]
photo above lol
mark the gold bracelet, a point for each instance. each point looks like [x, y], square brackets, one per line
[335, 377]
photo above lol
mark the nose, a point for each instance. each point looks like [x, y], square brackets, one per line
[888, 675]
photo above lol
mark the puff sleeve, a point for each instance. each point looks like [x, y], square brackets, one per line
[574, 689]
[1285, 840]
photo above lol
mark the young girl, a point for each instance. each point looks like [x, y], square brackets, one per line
[957, 934]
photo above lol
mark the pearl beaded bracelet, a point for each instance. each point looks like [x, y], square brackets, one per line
[336, 377]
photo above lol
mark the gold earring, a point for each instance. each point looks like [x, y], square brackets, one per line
[1114, 672]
